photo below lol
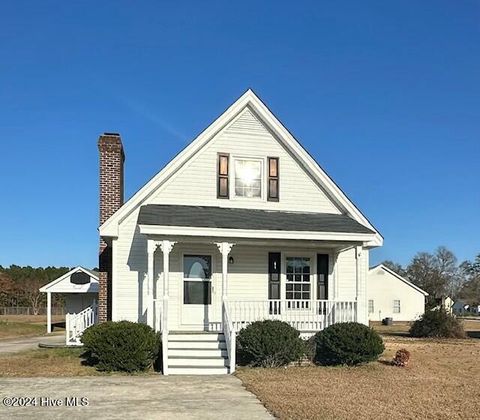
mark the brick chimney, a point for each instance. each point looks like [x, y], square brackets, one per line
[112, 159]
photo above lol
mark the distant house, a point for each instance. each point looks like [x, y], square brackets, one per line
[445, 302]
[460, 307]
[392, 296]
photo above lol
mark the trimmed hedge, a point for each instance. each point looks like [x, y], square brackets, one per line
[348, 343]
[121, 346]
[269, 343]
[437, 323]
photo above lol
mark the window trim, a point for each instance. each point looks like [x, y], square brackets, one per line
[313, 278]
[262, 160]
[395, 309]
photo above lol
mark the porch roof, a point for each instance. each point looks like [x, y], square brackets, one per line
[247, 219]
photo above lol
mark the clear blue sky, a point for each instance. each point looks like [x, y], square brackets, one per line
[385, 95]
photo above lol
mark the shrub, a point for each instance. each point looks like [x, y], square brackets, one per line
[269, 344]
[402, 357]
[348, 343]
[437, 323]
[121, 346]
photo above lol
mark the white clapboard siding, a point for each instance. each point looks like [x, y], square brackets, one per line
[196, 184]
[247, 280]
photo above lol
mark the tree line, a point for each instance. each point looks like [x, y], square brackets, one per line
[19, 286]
[440, 275]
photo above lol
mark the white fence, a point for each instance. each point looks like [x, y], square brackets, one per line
[27, 310]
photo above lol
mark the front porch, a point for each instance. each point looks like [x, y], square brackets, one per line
[202, 286]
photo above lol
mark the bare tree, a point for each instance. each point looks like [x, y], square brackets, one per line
[396, 267]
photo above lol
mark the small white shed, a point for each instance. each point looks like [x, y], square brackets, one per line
[80, 287]
[392, 296]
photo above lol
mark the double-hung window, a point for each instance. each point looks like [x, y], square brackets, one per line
[248, 177]
[396, 306]
[297, 287]
[371, 307]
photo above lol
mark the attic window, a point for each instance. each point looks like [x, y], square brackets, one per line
[248, 178]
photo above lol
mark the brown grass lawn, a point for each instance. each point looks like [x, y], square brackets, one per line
[442, 381]
[13, 326]
[45, 362]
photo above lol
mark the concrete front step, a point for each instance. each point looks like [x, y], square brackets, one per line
[197, 361]
[197, 370]
[188, 352]
[196, 344]
[196, 337]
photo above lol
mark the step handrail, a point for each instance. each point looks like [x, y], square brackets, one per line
[76, 324]
[230, 336]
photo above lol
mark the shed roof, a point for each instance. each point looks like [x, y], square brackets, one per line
[252, 219]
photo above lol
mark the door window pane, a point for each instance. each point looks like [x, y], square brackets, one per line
[197, 293]
[197, 267]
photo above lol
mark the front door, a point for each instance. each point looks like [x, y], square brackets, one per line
[197, 291]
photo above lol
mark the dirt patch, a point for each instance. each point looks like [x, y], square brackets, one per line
[441, 381]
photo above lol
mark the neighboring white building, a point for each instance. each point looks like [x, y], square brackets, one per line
[241, 225]
[80, 289]
[392, 296]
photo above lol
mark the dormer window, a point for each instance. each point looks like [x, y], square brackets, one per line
[248, 177]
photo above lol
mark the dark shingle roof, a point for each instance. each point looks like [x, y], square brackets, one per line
[230, 218]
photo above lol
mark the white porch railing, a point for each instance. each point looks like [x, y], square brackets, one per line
[305, 315]
[76, 324]
[230, 336]
[161, 325]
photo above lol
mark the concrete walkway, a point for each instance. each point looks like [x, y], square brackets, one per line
[13, 345]
[133, 397]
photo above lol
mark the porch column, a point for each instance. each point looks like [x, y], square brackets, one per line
[151, 248]
[358, 255]
[49, 312]
[166, 247]
[224, 248]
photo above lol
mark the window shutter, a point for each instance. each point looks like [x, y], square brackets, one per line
[273, 179]
[274, 261]
[222, 176]
[322, 276]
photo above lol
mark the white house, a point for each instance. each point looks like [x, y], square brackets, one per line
[241, 225]
[392, 296]
[80, 288]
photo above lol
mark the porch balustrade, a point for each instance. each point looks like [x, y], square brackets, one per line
[305, 315]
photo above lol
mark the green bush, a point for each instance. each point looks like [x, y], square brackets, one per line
[348, 343]
[437, 323]
[121, 346]
[269, 344]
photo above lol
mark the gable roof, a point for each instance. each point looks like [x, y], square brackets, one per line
[388, 270]
[249, 99]
[50, 287]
